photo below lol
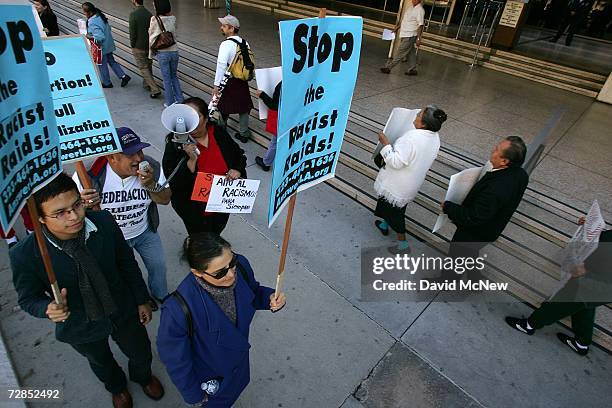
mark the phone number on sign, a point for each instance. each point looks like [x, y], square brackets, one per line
[88, 146]
[32, 394]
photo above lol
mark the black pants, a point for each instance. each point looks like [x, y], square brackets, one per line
[133, 340]
[583, 318]
[571, 23]
[192, 214]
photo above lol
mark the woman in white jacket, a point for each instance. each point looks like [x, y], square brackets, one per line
[406, 164]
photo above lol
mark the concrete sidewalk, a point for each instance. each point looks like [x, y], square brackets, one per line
[328, 348]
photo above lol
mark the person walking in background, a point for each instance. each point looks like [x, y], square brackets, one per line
[588, 288]
[99, 30]
[235, 97]
[102, 290]
[218, 154]
[271, 125]
[405, 166]
[203, 336]
[139, 22]
[162, 42]
[131, 195]
[489, 205]
[410, 30]
[576, 14]
[47, 17]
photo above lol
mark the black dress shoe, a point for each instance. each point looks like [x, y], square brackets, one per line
[124, 81]
[155, 95]
[385, 70]
[519, 324]
[107, 85]
[243, 139]
[260, 163]
[412, 72]
[572, 343]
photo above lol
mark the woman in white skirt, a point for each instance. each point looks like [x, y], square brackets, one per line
[406, 163]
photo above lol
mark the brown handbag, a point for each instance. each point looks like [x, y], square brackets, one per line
[165, 39]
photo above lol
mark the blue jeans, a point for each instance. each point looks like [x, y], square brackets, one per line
[149, 247]
[268, 158]
[109, 59]
[168, 64]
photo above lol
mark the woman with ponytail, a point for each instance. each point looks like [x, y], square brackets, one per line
[405, 166]
[99, 30]
[203, 337]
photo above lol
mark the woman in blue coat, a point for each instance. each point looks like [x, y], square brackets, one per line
[99, 30]
[203, 337]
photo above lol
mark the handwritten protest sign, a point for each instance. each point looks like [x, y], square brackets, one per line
[267, 79]
[400, 121]
[232, 196]
[84, 122]
[29, 145]
[202, 186]
[320, 60]
[585, 240]
[459, 186]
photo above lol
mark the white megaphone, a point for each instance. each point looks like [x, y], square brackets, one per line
[180, 119]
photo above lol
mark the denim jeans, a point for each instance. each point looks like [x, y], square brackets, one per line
[149, 247]
[168, 64]
[268, 158]
[109, 59]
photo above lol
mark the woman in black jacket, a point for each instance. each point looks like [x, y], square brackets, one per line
[218, 154]
[47, 17]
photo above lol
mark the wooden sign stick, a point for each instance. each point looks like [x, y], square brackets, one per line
[44, 253]
[85, 180]
[288, 222]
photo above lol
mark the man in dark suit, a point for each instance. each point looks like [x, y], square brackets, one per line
[489, 205]
[102, 293]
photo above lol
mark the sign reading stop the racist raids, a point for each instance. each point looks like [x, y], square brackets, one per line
[84, 122]
[320, 59]
[29, 145]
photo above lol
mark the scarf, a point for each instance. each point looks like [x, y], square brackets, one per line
[97, 298]
[223, 297]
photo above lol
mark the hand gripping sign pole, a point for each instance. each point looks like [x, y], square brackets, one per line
[288, 221]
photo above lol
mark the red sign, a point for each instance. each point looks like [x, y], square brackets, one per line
[201, 189]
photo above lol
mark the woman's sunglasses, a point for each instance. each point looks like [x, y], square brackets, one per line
[220, 274]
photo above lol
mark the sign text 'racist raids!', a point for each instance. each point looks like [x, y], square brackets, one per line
[29, 145]
[84, 122]
[320, 60]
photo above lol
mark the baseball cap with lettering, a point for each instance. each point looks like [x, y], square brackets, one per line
[230, 20]
[130, 142]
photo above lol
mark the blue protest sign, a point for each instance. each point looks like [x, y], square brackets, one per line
[84, 122]
[29, 144]
[320, 58]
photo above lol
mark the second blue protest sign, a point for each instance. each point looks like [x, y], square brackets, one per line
[84, 121]
[320, 58]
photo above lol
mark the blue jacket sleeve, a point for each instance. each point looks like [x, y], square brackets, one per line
[174, 348]
[262, 293]
[30, 289]
[96, 29]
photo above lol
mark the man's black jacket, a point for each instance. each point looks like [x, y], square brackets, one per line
[488, 206]
[117, 262]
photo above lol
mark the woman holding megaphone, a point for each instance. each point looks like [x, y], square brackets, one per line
[210, 149]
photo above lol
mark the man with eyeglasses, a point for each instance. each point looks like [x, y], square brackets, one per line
[102, 289]
[131, 195]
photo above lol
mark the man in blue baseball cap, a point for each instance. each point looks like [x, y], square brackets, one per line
[130, 185]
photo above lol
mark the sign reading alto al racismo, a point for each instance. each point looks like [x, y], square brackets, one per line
[29, 143]
[84, 122]
[320, 60]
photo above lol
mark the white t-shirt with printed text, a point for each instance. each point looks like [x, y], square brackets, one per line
[127, 200]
